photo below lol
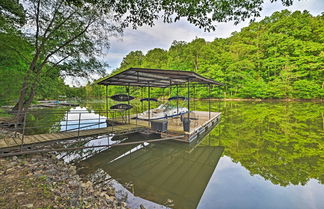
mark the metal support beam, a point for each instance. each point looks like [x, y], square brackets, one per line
[107, 102]
[128, 102]
[189, 102]
[209, 100]
[142, 97]
[177, 100]
[149, 103]
[194, 97]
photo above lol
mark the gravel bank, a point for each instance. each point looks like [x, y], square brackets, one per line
[43, 181]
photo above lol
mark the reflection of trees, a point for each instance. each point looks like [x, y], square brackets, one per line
[45, 120]
[280, 141]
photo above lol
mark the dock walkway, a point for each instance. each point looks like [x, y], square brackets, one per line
[201, 122]
[53, 137]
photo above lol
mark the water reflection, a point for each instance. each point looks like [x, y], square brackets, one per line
[282, 142]
[272, 158]
[173, 174]
[63, 119]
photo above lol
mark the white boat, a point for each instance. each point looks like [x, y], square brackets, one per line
[163, 111]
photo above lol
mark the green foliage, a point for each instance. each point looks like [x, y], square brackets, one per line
[279, 57]
[11, 12]
[14, 54]
[307, 89]
[199, 12]
[282, 142]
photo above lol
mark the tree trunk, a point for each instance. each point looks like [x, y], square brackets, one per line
[26, 96]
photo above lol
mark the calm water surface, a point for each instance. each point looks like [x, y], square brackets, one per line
[262, 155]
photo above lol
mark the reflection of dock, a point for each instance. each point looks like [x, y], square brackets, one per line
[162, 171]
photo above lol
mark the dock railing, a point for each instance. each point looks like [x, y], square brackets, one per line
[67, 121]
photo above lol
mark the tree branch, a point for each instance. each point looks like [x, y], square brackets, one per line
[37, 24]
[65, 44]
[59, 25]
[53, 19]
[64, 58]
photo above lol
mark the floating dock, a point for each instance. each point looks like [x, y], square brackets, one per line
[200, 122]
[184, 128]
[10, 143]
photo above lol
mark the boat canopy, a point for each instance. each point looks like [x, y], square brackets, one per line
[121, 107]
[154, 78]
[122, 97]
[177, 98]
[149, 99]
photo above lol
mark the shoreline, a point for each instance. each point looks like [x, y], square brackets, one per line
[42, 180]
[240, 99]
[262, 100]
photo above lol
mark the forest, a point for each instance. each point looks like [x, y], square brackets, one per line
[279, 57]
[13, 69]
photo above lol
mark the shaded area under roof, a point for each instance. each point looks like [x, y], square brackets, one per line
[155, 78]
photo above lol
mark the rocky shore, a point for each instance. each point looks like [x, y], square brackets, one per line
[43, 181]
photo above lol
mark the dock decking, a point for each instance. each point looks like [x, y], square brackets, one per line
[200, 122]
[52, 137]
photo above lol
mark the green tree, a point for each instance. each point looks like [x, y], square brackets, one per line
[267, 59]
[64, 34]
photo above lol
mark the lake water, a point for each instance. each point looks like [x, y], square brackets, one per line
[261, 155]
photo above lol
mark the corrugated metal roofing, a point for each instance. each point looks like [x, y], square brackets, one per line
[155, 78]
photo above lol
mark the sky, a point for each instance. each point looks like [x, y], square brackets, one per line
[161, 35]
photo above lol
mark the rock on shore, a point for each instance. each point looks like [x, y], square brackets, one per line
[42, 181]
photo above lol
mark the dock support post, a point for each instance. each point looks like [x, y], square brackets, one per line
[209, 100]
[106, 102]
[189, 102]
[149, 103]
[67, 120]
[128, 102]
[142, 96]
[177, 99]
[99, 120]
[79, 125]
[194, 97]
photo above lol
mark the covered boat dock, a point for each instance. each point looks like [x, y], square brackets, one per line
[122, 118]
[191, 124]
